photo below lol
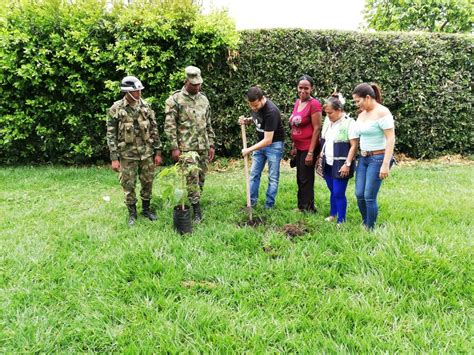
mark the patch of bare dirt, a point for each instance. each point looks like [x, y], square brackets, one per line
[454, 159]
[267, 249]
[254, 222]
[224, 165]
[404, 160]
[294, 230]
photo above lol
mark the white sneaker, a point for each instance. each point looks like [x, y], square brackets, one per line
[330, 219]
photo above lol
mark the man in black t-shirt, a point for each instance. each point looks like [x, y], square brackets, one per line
[267, 119]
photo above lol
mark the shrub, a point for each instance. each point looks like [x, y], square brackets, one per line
[61, 63]
[54, 61]
[425, 81]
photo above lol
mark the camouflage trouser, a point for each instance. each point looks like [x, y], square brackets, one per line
[128, 178]
[195, 180]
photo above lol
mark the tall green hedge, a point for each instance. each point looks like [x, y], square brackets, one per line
[425, 80]
[61, 62]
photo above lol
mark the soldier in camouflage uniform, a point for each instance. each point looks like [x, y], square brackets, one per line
[134, 144]
[188, 127]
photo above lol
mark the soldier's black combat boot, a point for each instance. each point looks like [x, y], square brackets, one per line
[132, 214]
[197, 212]
[147, 212]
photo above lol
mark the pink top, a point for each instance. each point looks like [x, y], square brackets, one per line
[300, 123]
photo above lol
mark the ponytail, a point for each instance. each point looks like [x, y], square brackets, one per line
[372, 90]
[378, 94]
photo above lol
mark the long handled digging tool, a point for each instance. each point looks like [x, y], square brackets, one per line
[247, 178]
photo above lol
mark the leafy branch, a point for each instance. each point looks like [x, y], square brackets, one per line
[172, 180]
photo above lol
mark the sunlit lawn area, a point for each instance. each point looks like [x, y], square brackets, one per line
[74, 277]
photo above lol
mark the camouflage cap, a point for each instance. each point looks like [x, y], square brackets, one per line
[193, 74]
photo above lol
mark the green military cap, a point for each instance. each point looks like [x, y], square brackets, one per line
[193, 74]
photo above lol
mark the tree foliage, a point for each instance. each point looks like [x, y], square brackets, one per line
[61, 62]
[448, 16]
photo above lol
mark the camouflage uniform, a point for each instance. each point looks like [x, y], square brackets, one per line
[132, 137]
[188, 128]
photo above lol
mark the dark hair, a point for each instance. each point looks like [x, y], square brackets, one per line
[334, 102]
[308, 78]
[372, 89]
[255, 93]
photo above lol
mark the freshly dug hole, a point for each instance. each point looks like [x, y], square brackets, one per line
[255, 222]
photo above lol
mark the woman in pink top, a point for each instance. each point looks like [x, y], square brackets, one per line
[305, 123]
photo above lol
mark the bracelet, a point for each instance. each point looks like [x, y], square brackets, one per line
[310, 153]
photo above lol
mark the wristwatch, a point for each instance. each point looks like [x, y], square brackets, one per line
[347, 163]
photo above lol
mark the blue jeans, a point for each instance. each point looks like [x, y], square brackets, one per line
[338, 199]
[273, 154]
[367, 187]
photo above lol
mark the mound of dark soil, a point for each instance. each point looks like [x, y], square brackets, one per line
[294, 230]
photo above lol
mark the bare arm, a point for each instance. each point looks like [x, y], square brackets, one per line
[390, 144]
[316, 122]
[265, 142]
[344, 170]
[352, 151]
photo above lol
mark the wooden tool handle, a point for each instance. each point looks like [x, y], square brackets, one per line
[246, 163]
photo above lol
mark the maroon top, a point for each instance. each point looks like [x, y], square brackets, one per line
[301, 125]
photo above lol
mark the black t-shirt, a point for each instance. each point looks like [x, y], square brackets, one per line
[268, 119]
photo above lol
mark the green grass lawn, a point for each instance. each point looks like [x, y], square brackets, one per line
[74, 277]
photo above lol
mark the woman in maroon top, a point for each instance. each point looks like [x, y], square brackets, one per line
[305, 123]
